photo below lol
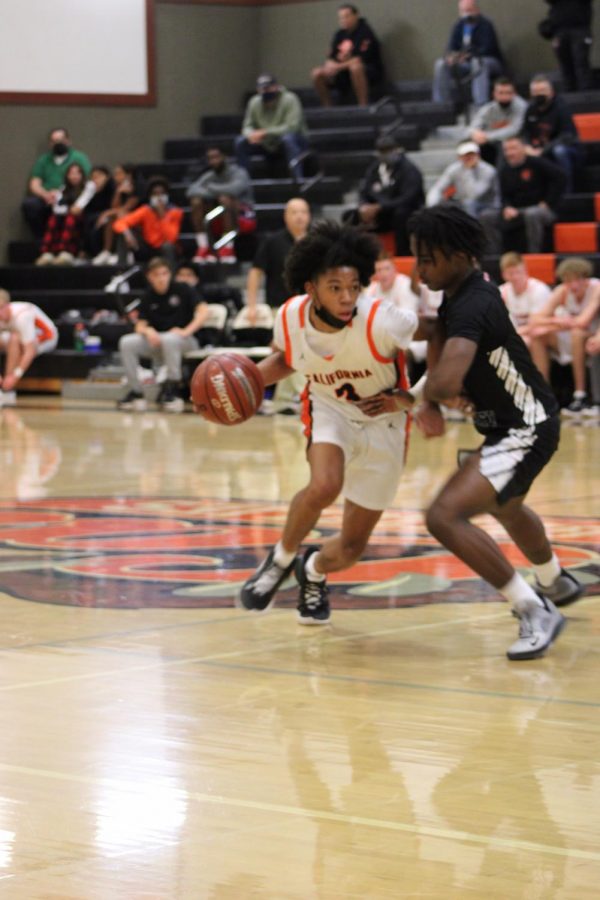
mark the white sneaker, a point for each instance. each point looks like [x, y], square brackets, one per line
[64, 259]
[175, 405]
[591, 412]
[46, 259]
[102, 259]
[112, 260]
[9, 398]
[539, 626]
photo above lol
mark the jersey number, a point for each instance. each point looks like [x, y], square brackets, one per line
[347, 392]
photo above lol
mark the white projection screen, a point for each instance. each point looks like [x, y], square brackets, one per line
[78, 51]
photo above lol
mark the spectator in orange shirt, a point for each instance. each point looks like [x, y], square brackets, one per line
[152, 229]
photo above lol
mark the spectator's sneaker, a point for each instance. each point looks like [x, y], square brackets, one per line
[133, 401]
[258, 594]
[102, 259]
[539, 626]
[204, 255]
[313, 607]
[64, 259]
[591, 412]
[170, 399]
[8, 398]
[576, 407]
[46, 259]
[227, 254]
[113, 259]
[564, 589]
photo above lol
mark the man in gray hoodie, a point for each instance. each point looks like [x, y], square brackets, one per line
[227, 185]
[469, 182]
[501, 118]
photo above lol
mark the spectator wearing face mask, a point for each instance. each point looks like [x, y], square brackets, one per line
[48, 177]
[497, 120]
[152, 229]
[391, 190]
[549, 129]
[273, 124]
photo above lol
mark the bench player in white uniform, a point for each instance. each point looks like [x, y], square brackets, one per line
[476, 350]
[25, 332]
[350, 349]
[563, 326]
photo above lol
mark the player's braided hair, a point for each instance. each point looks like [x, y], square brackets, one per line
[329, 245]
[449, 229]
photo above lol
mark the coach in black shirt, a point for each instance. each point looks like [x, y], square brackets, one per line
[269, 261]
[354, 63]
[549, 129]
[569, 25]
[168, 317]
[530, 188]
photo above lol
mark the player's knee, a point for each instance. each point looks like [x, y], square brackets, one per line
[324, 490]
[438, 520]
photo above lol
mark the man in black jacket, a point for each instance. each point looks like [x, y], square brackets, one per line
[569, 23]
[531, 188]
[473, 52]
[391, 190]
[549, 129]
[354, 64]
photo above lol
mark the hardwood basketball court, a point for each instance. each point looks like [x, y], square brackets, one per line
[158, 743]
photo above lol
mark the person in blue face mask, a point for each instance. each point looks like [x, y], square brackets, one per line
[273, 125]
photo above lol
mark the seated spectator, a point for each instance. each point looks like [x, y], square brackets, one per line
[391, 285]
[563, 326]
[227, 185]
[48, 177]
[354, 64]
[549, 129]
[390, 191]
[273, 124]
[62, 242]
[469, 182]
[152, 228]
[269, 261]
[497, 120]
[103, 190]
[122, 200]
[168, 316]
[530, 190]
[473, 53]
[569, 27]
[187, 274]
[25, 332]
[522, 294]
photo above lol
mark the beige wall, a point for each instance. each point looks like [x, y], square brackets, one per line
[204, 63]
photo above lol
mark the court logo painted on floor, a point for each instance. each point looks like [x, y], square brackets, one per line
[145, 552]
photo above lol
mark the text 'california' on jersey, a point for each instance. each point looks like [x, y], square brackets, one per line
[367, 358]
[503, 384]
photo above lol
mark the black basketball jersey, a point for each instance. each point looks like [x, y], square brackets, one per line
[505, 387]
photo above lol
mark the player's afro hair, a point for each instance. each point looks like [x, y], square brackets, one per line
[449, 229]
[328, 245]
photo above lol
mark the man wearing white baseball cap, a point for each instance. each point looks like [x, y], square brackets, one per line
[468, 182]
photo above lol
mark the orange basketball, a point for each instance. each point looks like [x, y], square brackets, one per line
[227, 388]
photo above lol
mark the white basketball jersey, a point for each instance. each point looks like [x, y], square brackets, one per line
[574, 306]
[369, 357]
[31, 323]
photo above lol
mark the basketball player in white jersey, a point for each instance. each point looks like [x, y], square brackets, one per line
[25, 332]
[522, 294]
[562, 327]
[350, 347]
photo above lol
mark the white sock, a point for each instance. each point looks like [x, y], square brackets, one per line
[578, 395]
[519, 594]
[311, 572]
[282, 557]
[548, 572]
[202, 240]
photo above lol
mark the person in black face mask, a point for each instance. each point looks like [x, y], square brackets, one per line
[47, 178]
[273, 126]
[497, 120]
[549, 129]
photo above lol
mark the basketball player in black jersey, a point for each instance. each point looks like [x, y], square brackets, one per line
[476, 352]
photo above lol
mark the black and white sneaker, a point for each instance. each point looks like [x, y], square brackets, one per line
[132, 401]
[258, 594]
[564, 589]
[313, 606]
[576, 408]
[539, 626]
[169, 399]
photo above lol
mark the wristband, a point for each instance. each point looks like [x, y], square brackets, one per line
[18, 372]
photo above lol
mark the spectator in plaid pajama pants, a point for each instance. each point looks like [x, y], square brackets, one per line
[63, 238]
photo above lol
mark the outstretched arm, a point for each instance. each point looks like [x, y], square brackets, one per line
[274, 368]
